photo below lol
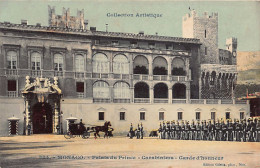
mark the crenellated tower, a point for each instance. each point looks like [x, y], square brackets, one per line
[66, 20]
[205, 28]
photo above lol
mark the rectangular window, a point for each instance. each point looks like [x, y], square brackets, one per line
[197, 115]
[142, 115]
[179, 115]
[227, 115]
[161, 115]
[122, 115]
[242, 115]
[11, 85]
[101, 116]
[11, 88]
[206, 51]
[80, 89]
[213, 115]
[205, 33]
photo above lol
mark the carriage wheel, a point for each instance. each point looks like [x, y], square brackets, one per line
[86, 135]
[68, 135]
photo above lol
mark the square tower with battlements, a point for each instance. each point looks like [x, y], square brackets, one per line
[205, 28]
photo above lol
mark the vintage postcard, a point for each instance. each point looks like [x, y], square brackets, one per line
[140, 83]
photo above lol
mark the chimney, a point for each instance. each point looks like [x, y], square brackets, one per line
[85, 24]
[38, 24]
[141, 32]
[92, 28]
[24, 22]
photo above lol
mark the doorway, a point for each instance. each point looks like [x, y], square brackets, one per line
[42, 118]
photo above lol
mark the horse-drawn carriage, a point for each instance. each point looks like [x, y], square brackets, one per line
[79, 129]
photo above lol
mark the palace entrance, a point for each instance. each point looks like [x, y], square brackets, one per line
[42, 106]
[42, 118]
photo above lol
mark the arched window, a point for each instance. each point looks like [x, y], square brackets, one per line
[79, 63]
[11, 59]
[178, 67]
[160, 90]
[101, 90]
[121, 90]
[100, 63]
[160, 66]
[179, 91]
[141, 65]
[120, 64]
[58, 62]
[141, 90]
[36, 61]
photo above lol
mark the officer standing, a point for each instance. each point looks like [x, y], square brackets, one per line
[192, 130]
[198, 131]
[178, 131]
[142, 131]
[160, 131]
[131, 131]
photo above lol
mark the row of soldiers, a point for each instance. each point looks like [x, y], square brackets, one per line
[139, 132]
[243, 130]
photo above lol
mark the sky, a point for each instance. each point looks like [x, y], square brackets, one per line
[236, 18]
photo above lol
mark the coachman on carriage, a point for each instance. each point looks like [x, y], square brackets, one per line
[79, 129]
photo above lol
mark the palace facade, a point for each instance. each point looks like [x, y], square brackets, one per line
[54, 74]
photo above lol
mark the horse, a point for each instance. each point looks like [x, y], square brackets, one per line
[106, 129]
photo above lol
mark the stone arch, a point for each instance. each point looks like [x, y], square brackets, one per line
[141, 65]
[100, 63]
[141, 90]
[178, 67]
[160, 66]
[179, 91]
[160, 90]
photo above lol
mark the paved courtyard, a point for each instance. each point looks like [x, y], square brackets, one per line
[56, 151]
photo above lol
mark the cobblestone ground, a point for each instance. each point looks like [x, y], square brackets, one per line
[56, 151]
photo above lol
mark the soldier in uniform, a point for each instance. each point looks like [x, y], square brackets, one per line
[224, 131]
[173, 130]
[187, 131]
[198, 131]
[164, 131]
[238, 130]
[210, 131]
[229, 130]
[254, 123]
[142, 131]
[217, 131]
[178, 131]
[182, 130]
[168, 130]
[131, 131]
[138, 132]
[205, 130]
[250, 130]
[258, 130]
[192, 130]
[160, 131]
[244, 127]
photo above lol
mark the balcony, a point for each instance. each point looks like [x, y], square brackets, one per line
[79, 75]
[101, 100]
[142, 100]
[11, 72]
[36, 73]
[140, 77]
[121, 100]
[160, 100]
[160, 77]
[179, 101]
[12, 93]
[58, 73]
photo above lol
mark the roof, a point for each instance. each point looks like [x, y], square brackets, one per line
[84, 32]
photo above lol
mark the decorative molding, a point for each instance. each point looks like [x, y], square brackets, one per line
[213, 109]
[142, 109]
[101, 109]
[161, 109]
[198, 109]
[228, 109]
[180, 109]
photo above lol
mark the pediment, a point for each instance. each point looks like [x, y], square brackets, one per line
[142, 109]
[101, 109]
[242, 109]
[180, 109]
[161, 109]
[228, 109]
[122, 109]
[198, 109]
[213, 109]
